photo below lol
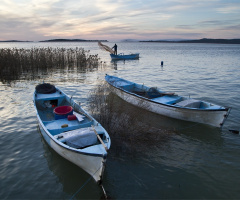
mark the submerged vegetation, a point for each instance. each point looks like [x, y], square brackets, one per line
[31, 63]
[127, 125]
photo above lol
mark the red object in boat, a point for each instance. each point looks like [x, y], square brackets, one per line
[63, 110]
[71, 117]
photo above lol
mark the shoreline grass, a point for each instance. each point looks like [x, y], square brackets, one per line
[14, 63]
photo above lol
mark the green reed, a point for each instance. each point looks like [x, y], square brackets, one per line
[18, 63]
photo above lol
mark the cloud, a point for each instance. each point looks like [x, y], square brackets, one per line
[229, 9]
[185, 27]
[224, 24]
[108, 19]
[211, 23]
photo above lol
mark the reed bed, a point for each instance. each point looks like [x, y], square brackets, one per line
[126, 124]
[30, 63]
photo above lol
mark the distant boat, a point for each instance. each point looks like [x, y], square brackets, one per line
[120, 56]
[124, 57]
[168, 104]
[71, 131]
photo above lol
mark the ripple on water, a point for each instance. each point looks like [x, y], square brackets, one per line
[192, 162]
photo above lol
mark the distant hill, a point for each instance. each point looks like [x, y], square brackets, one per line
[204, 40]
[15, 41]
[129, 40]
[72, 40]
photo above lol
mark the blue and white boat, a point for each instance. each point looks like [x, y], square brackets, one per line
[168, 104]
[71, 131]
[122, 56]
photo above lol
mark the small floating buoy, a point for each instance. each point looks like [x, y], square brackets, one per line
[161, 63]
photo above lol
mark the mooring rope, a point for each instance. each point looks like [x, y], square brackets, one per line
[86, 184]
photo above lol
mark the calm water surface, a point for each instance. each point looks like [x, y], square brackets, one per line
[191, 162]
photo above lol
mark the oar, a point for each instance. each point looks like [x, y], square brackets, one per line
[100, 139]
[234, 131]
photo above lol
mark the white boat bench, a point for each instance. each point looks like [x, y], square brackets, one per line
[57, 126]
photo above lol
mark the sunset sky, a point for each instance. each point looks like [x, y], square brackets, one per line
[115, 20]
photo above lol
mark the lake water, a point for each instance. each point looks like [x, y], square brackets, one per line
[189, 161]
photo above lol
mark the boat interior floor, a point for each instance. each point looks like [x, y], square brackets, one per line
[57, 126]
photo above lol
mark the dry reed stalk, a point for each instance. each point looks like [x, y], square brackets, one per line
[15, 63]
[125, 123]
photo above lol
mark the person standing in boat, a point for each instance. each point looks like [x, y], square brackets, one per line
[115, 49]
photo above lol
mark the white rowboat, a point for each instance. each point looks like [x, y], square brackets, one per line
[71, 131]
[168, 104]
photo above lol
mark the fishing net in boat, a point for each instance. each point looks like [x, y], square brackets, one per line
[105, 48]
[80, 138]
[45, 88]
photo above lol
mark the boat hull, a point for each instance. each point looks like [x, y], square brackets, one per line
[92, 164]
[211, 117]
[92, 156]
[124, 57]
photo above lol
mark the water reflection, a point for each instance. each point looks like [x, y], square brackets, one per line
[151, 140]
[148, 148]
[71, 176]
[174, 160]
[115, 63]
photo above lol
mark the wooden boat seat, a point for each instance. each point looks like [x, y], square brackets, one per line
[55, 127]
[167, 99]
[55, 95]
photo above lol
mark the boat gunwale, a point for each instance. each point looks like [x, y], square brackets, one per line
[172, 106]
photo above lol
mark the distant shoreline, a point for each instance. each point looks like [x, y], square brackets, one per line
[72, 40]
[204, 40]
[59, 40]
[15, 41]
